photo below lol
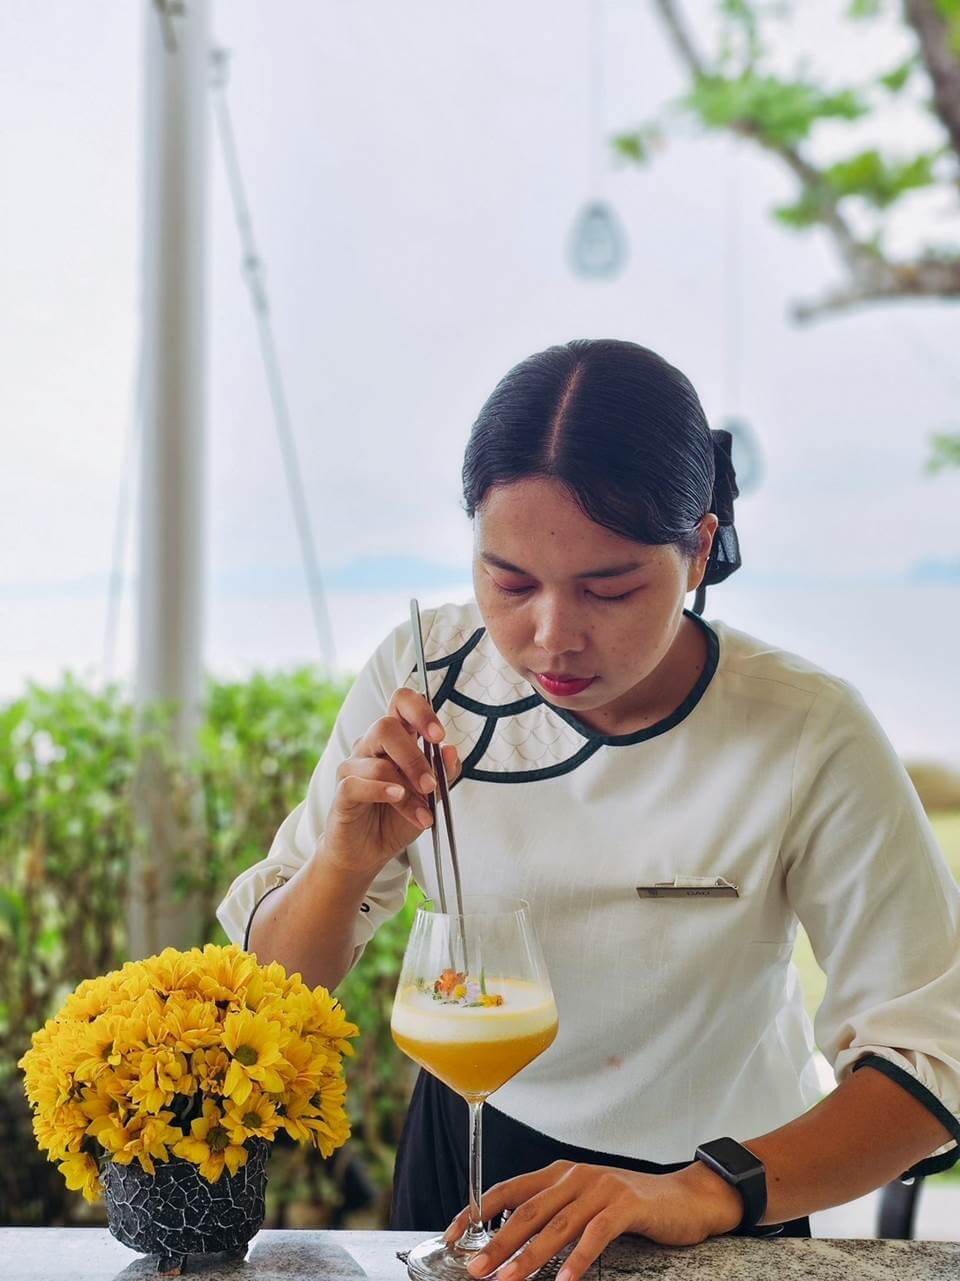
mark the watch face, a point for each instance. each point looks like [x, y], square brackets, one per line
[732, 1155]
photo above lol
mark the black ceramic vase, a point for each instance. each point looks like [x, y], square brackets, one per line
[176, 1212]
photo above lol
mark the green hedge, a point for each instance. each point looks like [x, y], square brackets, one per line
[67, 763]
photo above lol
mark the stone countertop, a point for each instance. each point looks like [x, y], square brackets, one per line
[92, 1254]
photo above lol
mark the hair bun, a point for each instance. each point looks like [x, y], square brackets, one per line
[725, 553]
[725, 478]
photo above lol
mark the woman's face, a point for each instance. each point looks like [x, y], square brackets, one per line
[563, 597]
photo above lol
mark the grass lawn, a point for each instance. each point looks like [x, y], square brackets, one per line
[947, 829]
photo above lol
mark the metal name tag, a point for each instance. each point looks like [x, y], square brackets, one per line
[690, 887]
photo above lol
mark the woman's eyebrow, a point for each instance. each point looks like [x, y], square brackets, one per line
[607, 571]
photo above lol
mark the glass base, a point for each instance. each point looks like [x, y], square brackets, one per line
[434, 1260]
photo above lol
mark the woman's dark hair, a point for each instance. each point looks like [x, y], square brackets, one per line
[621, 429]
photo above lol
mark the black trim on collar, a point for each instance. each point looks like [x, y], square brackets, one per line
[492, 713]
[676, 716]
[494, 710]
[449, 681]
[481, 745]
[930, 1164]
[434, 664]
[454, 663]
[534, 775]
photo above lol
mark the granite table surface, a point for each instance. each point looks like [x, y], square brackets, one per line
[92, 1254]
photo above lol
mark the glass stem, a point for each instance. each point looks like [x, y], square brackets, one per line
[476, 1235]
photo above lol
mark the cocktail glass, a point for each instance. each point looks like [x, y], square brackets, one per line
[473, 1006]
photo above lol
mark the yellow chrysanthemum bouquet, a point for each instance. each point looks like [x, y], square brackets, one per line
[187, 1054]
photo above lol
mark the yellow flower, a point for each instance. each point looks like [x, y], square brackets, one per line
[142, 1138]
[329, 1099]
[209, 1145]
[303, 1120]
[81, 1174]
[61, 1131]
[210, 1068]
[266, 983]
[163, 1073]
[190, 1024]
[303, 1063]
[91, 998]
[173, 971]
[329, 1019]
[254, 1043]
[261, 1049]
[255, 1119]
[225, 973]
[98, 1046]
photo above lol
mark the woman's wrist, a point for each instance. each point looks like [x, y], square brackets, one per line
[718, 1201]
[338, 877]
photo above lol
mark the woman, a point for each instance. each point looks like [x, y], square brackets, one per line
[604, 738]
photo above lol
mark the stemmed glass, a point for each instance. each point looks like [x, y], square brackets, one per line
[473, 1006]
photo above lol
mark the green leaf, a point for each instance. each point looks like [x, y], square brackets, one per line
[637, 144]
[878, 180]
[779, 111]
[895, 79]
[860, 9]
[804, 212]
[945, 452]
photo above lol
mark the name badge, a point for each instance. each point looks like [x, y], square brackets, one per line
[690, 887]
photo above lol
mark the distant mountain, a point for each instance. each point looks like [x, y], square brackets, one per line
[935, 571]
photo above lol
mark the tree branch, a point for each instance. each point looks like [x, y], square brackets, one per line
[932, 277]
[677, 27]
[943, 65]
[854, 253]
[871, 276]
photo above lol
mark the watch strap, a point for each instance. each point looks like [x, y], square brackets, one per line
[747, 1175]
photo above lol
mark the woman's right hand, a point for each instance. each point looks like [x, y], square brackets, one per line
[380, 803]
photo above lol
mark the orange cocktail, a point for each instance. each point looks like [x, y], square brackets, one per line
[474, 1047]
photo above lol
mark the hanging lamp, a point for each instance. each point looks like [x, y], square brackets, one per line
[598, 242]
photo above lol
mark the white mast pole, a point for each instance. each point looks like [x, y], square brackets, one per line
[171, 559]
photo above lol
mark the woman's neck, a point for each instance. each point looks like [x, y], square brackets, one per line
[661, 693]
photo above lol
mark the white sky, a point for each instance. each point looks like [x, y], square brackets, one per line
[414, 170]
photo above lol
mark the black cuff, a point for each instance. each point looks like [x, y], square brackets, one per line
[930, 1164]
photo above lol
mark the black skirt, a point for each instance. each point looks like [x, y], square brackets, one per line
[430, 1178]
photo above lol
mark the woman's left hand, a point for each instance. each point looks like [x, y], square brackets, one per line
[596, 1203]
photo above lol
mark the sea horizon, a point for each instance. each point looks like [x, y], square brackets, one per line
[892, 636]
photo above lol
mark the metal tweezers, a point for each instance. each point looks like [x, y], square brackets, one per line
[435, 758]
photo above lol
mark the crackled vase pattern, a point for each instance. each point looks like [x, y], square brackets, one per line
[176, 1212]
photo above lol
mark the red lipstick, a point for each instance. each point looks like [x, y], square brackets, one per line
[564, 687]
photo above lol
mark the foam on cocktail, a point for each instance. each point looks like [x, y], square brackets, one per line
[475, 1048]
[526, 1010]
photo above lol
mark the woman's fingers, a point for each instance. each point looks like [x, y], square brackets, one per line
[388, 738]
[507, 1196]
[417, 714]
[451, 762]
[355, 792]
[553, 1217]
[395, 790]
[594, 1239]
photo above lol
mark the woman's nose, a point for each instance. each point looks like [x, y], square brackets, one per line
[558, 630]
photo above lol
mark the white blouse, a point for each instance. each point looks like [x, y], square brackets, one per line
[681, 1018]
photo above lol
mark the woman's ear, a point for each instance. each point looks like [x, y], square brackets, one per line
[708, 527]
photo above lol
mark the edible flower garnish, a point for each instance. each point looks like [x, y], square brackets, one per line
[454, 987]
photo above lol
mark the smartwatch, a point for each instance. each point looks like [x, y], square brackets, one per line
[739, 1167]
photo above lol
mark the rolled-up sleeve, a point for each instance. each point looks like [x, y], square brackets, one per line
[296, 840]
[866, 878]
